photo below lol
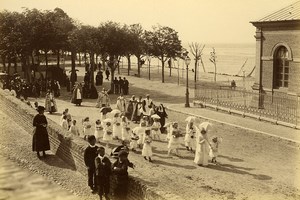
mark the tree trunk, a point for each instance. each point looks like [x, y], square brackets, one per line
[196, 70]
[15, 65]
[58, 58]
[79, 59]
[73, 65]
[215, 78]
[85, 58]
[8, 67]
[46, 58]
[112, 75]
[139, 65]
[129, 64]
[162, 69]
[3, 62]
[92, 58]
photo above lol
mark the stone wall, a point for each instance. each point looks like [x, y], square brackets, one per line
[70, 151]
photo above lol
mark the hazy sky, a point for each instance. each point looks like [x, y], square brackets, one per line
[204, 21]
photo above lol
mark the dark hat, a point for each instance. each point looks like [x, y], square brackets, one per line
[40, 108]
[123, 153]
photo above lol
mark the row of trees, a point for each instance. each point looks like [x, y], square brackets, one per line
[32, 33]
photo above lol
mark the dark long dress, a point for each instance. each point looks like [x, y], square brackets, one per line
[163, 115]
[40, 141]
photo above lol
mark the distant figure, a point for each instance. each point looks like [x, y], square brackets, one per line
[233, 84]
[125, 86]
[107, 73]
[116, 86]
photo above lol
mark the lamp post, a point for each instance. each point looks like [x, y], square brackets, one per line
[187, 62]
[149, 59]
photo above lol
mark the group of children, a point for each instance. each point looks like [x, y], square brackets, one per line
[100, 169]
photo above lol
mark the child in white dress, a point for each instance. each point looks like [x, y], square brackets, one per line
[87, 127]
[156, 129]
[125, 130]
[117, 130]
[107, 133]
[133, 142]
[74, 129]
[64, 123]
[147, 149]
[98, 129]
[140, 131]
[174, 142]
[190, 136]
[214, 148]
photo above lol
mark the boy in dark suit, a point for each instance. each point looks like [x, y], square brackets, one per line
[90, 154]
[120, 168]
[103, 172]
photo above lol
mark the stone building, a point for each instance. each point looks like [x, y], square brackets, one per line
[278, 52]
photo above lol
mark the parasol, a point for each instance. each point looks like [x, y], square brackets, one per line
[205, 125]
[105, 110]
[168, 124]
[155, 116]
[115, 111]
[107, 120]
[190, 119]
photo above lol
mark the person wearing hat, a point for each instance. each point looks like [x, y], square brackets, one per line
[40, 141]
[202, 149]
[120, 170]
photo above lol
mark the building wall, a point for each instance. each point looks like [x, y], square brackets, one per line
[291, 37]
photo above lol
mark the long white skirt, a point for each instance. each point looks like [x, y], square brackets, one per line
[174, 143]
[133, 144]
[87, 131]
[201, 155]
[125, 134]
[107, 137]
[117, 131]
[98, 134]
[147, 150]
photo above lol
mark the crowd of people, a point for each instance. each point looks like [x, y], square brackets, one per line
[134, 124]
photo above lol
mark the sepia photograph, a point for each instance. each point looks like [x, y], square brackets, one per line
[149, 100]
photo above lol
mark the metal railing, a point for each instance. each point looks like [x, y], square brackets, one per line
[279, 107]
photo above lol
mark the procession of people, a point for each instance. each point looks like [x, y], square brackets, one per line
[134, 124]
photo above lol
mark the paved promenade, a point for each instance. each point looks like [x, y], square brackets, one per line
[171, 92]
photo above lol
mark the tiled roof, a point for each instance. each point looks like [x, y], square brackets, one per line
[291, 12]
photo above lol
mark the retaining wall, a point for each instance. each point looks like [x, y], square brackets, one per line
[70, 151]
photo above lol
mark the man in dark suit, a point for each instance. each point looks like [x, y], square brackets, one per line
[103, 172]
[89, 156]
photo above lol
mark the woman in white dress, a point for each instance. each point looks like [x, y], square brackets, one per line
[98, 129]
[156, 129]
[107, 132]
[174, 141]
[190, 136]
[125, 130]
[117, 130]
[147, 148]
[87, 127]
[202, 149]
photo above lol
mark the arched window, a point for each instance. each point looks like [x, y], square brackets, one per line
[281, 68]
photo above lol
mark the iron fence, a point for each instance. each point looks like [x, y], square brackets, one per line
[279, 107]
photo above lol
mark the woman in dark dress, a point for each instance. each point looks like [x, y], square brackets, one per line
[130, 107]
[163, 115]
[40, 141]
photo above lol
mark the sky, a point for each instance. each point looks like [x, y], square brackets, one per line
[202, 21]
